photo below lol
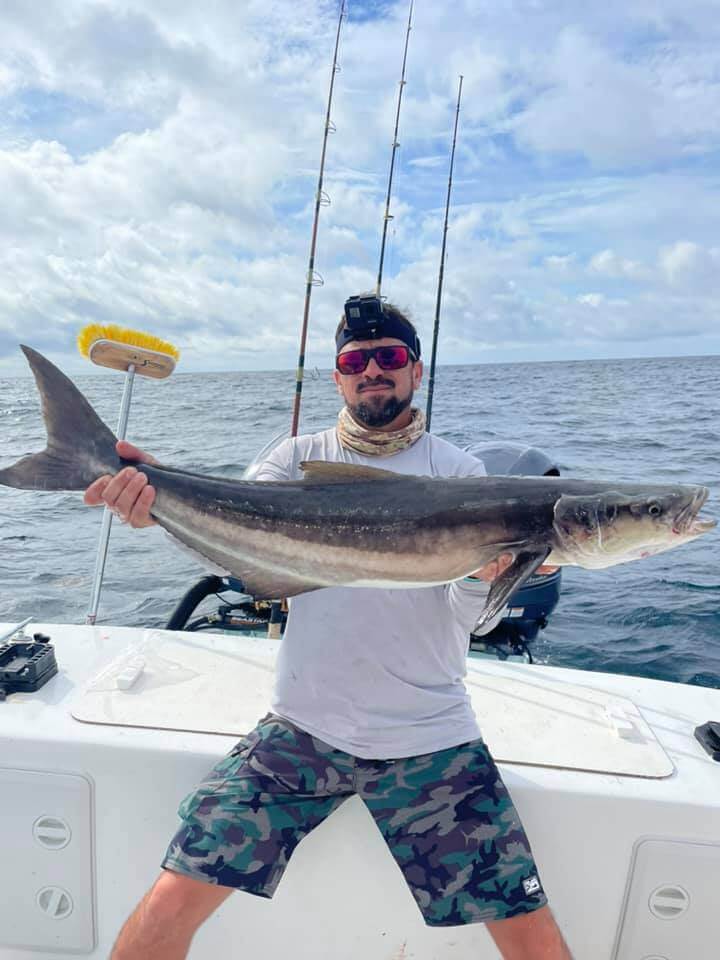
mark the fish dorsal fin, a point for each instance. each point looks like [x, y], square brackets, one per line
[323, 471]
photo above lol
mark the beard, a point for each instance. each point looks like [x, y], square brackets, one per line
[376, 411]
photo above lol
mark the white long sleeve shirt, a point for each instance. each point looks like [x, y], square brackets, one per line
[379, 673]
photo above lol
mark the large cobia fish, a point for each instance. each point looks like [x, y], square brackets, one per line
[362, 527]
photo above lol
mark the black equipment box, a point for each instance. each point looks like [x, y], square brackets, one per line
[26, 665]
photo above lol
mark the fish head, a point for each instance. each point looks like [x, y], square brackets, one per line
[610, 528]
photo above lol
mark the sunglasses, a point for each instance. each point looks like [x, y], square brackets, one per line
[387, 358]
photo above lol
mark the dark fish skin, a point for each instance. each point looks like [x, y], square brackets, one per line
[348, 525]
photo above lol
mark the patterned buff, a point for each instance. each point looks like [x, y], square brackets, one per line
[378, 442]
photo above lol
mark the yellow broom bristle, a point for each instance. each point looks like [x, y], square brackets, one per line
[136, 338]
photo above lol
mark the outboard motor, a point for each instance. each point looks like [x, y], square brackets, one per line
[531, 605]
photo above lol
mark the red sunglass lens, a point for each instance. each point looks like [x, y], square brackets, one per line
[387, 358]
[391, 358]
[354, 361]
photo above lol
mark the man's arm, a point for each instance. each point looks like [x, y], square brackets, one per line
[278, 465]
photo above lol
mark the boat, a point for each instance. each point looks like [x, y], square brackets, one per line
[619, 796]
[104, 729]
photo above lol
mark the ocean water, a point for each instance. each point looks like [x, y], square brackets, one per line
[655, 420]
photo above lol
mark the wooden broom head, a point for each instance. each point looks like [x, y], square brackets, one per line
[109, 345]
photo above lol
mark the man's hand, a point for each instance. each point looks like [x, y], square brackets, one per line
[128, 494]
[496, 569]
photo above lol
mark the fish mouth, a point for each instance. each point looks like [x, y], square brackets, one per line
[687, 522]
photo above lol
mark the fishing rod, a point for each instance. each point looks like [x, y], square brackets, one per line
[388, 216]
[321, 200]
[313, 280]
[436, 328]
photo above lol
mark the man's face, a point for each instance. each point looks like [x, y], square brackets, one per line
[378, 397]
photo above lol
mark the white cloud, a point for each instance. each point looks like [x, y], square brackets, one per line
[437, 161]
[593, 104]
[689, 264]
[599, 94]
[561, 264]
[593, 300]
[610, 264]
[158, 164]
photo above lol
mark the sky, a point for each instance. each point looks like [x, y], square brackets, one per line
[159, 162]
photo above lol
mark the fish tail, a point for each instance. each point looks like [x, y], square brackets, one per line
[80, 447]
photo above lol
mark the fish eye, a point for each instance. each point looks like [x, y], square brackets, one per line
[654, 508]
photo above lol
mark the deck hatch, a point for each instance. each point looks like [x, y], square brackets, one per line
[46, 834]
[210, 683]
[670, 909]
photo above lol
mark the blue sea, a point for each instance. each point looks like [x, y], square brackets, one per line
[656, 420]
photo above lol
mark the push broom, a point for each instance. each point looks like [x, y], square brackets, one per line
[134, 353]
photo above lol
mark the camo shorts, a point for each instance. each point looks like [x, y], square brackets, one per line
[446, 817]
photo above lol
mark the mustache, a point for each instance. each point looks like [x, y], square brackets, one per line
[377, 382]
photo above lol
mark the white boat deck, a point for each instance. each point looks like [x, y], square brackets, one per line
[619, 799]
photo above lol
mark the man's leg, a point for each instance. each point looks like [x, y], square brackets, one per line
[231, 839]
[455, 834]
[529, 936]
[164, 922]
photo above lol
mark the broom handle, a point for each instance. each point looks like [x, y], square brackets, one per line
[107, 514]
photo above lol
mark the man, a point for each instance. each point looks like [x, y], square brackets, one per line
[382, 712]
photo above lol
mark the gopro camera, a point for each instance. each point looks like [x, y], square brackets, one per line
[364, 316]
[366, 319]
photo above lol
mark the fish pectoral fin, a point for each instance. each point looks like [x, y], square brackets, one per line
[523, 566]
[274, 585]
[322, 471]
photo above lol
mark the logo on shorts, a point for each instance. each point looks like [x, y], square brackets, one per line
[531, 885]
